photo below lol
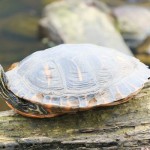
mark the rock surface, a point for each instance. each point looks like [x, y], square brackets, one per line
[125, 126]
[134, 24]
[79, 22]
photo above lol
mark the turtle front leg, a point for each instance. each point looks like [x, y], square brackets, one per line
[13, 66]
[29, 109]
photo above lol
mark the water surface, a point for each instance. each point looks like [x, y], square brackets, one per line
[18, 31]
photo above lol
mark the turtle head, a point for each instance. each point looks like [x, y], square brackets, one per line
[3, 81]
[2, 75]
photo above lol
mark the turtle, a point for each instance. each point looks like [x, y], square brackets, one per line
[69, 78]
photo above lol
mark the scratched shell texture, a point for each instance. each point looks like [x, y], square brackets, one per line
[77, 76]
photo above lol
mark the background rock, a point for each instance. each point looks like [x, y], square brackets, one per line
[78, 22]
[98, 4]
[134, 24]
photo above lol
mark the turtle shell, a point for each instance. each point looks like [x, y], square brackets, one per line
[77, 76]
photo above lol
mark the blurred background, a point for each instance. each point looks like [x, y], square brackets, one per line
[30, 25]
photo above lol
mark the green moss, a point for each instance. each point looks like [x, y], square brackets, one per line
[46, 2]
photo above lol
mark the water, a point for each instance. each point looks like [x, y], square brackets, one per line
[18, 31]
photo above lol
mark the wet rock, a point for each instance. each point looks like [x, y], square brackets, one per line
[134, 24]
[79, 22]
[143, 51]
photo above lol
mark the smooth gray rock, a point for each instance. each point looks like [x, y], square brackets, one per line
[80, 22]
[134, 24]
